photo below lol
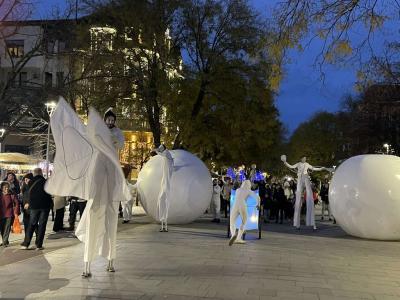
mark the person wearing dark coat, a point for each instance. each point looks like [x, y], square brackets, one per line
[324, 194]
[25, 201]
[280, 202]
[40, 204]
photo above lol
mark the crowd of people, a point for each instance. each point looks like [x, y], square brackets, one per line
[28, 197]
[278, 197]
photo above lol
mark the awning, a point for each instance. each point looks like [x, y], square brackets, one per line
[18, 161]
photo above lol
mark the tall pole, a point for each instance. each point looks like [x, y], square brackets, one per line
[2, 132]
[76, 11]
[47, 149]
[50, 107]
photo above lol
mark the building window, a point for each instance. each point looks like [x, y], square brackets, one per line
[23, 79]
[102, 38]
[48, 79]
[60, 79]
[15, 48]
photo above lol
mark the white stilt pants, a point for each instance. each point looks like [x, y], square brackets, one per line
[302, 182]
[127, 210]
[238, 209]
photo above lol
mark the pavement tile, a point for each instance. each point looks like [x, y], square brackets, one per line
[194, 261]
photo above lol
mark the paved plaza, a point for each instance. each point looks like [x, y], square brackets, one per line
[195, 262]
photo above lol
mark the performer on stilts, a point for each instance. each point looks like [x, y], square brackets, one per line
[303, 181]
[86, 166]
[164, 196]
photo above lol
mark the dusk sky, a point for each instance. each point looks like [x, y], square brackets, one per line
[302, 93]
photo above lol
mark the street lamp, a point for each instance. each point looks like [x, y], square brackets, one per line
[386, 146]
[50, 107]
[2, 132]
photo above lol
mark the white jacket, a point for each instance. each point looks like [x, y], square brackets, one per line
[302, 168]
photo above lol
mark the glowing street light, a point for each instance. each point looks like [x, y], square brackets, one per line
[50, 107]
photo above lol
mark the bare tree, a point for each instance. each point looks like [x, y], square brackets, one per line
[347, 28]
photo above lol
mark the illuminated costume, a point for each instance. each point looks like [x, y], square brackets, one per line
[240, 208]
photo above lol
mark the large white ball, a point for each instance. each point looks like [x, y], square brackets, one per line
[365, 196]
[190, 187]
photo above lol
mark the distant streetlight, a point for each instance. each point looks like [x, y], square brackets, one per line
[2, 132]
[50, 107]
[387, 147]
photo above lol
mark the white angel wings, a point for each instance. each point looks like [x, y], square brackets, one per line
[79, 149]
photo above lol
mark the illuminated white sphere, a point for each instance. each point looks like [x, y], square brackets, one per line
[190, 187]
[364, 196]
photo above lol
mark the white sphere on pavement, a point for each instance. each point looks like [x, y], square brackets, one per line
[364, 196]
[190, 187]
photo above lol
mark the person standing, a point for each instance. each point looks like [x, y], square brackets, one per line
[216, 202]
[118, 138]
[164, 195]
[59, 208]
[40, 204]
[75, 205]
[226, 192]
[280, 200]
[9, 208]
[303, 181]
[12, 180]
[324, 194]
[25, 201]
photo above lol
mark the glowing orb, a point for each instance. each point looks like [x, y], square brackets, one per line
[191, 187]
[365, 196]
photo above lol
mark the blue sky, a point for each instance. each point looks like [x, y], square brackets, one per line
[302, 92]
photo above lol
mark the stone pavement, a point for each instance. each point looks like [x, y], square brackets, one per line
[195, 262]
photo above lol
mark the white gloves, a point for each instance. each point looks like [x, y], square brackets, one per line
[283, 158]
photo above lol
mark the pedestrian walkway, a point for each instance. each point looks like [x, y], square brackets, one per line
[194, 261]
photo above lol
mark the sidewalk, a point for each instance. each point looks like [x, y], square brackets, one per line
[194, 261]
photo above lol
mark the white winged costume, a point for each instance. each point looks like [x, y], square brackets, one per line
[86, 166]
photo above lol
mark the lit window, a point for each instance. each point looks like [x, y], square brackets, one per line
[15, 48]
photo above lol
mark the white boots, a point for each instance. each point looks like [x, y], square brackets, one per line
[86, 272]
[110, 267]
[164, 226]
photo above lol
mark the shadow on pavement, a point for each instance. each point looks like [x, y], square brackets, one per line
[30, 279]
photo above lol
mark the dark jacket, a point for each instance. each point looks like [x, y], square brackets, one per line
[38, 198]
[324, 193]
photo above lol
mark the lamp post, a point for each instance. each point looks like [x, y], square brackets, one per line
[50, 107]
[387, 147]
[2, 132]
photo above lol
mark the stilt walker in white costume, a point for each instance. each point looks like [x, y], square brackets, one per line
[163, 197]
[117, 135]
[240, 208]
[86, 166]
[303, 181]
